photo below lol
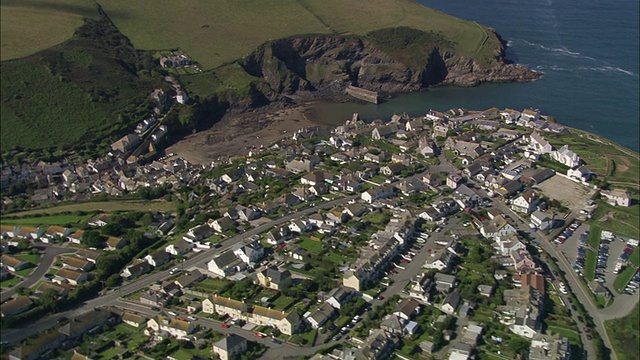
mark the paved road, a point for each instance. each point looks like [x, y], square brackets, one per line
[15, 335]
[47, 259]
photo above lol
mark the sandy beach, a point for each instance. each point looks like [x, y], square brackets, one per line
[237, 134]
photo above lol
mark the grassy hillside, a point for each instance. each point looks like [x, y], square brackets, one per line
[217, 32]
[28, 26]
[77, 95]
[624, 334]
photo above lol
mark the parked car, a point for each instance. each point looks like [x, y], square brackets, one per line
[192, 318]
[172, 313]
[260, 335]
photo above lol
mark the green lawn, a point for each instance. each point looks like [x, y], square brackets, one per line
[623, 278]
[620, 220]
[624, 333]
[590, 265]
[9, 283]
[574, 337]
[32, 258]
[312, 246]
[211, 285]
[61, 219]
[282, 302]
[188, 354]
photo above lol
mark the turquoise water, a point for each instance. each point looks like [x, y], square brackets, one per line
[587, 49]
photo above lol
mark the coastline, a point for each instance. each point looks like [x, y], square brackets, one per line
[236, 134]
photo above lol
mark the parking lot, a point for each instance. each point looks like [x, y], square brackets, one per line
[604, 266]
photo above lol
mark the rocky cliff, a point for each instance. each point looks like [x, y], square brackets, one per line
[318, 66]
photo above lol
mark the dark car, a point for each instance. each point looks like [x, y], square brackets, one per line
[276, 341]
[155, 308]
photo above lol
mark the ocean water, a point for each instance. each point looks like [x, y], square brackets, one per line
[588, 51]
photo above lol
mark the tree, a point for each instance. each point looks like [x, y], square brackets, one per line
[49, 300]
[519, 345]
[91, 238]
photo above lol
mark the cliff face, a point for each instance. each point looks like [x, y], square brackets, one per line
[322, 66]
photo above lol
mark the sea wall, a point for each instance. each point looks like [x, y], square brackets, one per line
[362, 94]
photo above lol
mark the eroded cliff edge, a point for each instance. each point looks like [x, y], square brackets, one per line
[389, 60]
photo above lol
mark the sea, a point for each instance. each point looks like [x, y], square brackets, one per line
[588, 51]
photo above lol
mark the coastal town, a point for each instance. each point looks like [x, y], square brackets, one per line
[455, 235]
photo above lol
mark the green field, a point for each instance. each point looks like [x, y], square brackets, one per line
[619, 220]
[29, 26]
[220, 32]
[312, 246]
[624, 333]
[47, 220]
[574, 337]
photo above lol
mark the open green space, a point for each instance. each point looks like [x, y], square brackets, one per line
[61, 219]
[104, 206]
[312, 246]
[590, 265]
[574, 337]
[9, 283]
[29, 26]
[211, 285]
[624, 334]
[32, 258]
[620, 220]
[620, 168]
[217, 33]
[623, 278]
[283, 302]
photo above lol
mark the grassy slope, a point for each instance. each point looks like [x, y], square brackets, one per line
[71, 95]
[29, 26]
[624, 333]
[227, 33]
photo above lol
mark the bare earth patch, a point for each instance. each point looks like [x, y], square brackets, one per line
[237, 134]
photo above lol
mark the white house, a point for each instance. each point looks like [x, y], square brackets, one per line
[249, 253]
[566, 157]
[541, 220]
[525, 203]
[174, 327]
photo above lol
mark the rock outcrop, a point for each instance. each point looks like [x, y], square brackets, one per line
[320, 67]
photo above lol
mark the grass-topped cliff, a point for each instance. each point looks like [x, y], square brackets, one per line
[75, 74]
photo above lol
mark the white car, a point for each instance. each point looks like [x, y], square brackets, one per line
[191, 318]
[172, 313]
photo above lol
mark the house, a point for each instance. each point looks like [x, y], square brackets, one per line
[440, 261]
[230, 347]
[498, 226]
[392, 169]
[249, 253]
[180, 248]
[287, 323]
[411, 186]
[13, 263]
[91, 255]
[486, 290]
[76, 263]
[407, 309]
[539, 144]
[73, 277]
[232, 176]
[273, 278]
[580, 173]
[377, 193]
[376, 158]
[420, 289]
[617, 197]
[392, 324]
[299, 166]
[15, 306]
[158, 258]
[509, 188]
[136, 269]
[155, 298]
[355, 210]
[59, 289]
[225, 264]
[522, 260]
[444, 282]
[223, 224]
[472, 334]
[316, 177]
[530, 115]
[525, 203]
[566, 157]
[174, 327]
[541, 220]
[115, 243]
[198, 233]
[454, 180]
[187, 280]
[298, 254]
[338, 297]
[451, 302]
[134, 320]
[89, 323]
[318, 317]
[75, 237]
[549, 347]
[283, 233]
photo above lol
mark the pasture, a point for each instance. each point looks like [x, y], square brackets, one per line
[29, 26]
[215, 33]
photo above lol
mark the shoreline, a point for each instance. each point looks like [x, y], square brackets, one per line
[236, 134]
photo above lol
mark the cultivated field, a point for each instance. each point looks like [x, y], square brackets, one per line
[29, 26]
[217, 32]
